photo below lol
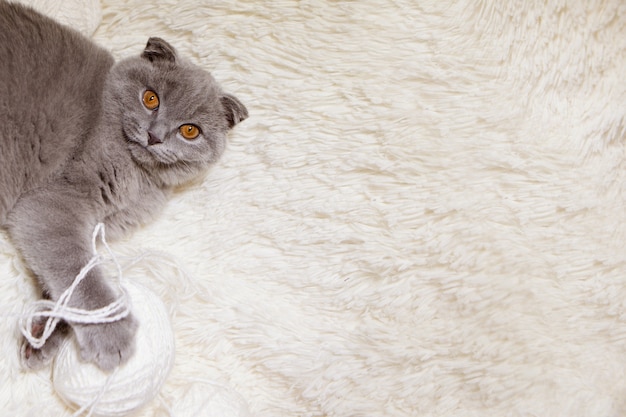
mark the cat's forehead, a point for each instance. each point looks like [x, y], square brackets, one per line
[172, 81]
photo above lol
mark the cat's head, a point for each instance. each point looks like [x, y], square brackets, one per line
[173, 114]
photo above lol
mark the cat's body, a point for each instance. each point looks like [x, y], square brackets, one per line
[83, 141]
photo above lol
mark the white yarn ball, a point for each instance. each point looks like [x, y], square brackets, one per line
[133, 384]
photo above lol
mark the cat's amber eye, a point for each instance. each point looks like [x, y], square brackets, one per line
[150, 100]
[189, 132]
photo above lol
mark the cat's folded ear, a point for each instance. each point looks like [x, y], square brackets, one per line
[159, 50]
[235, 110]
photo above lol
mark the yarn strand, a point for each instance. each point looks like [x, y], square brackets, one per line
[90, 406]
[54, 312]
[84, 387]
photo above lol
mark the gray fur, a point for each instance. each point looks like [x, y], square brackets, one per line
[75, 151]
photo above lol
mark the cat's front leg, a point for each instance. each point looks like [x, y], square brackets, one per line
[52, 228]
[107, 344]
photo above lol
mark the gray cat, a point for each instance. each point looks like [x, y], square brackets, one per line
[85, 140]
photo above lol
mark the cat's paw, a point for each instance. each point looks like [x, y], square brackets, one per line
[38, 358]
[107, 344]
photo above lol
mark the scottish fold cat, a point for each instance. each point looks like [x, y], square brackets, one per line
[85, 140]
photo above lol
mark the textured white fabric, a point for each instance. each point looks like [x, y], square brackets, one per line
[423, 216]
[82, 15]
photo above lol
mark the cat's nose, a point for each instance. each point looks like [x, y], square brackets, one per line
[153, 139]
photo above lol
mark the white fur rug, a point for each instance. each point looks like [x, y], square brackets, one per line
[425, 214]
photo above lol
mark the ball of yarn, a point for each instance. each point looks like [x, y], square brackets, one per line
[135, 383]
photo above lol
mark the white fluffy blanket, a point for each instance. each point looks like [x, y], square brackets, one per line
[424, 215]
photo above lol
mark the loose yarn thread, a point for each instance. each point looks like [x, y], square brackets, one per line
[60, 310]
[85, 385]
[90, 406]
[129, 387]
